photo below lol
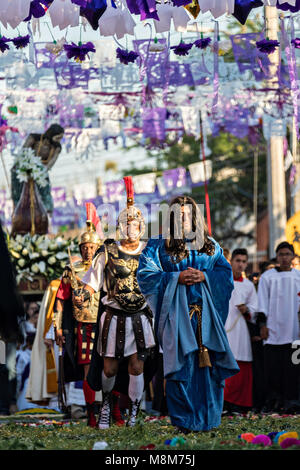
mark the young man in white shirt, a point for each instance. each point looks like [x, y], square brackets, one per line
[242, 306]
[278, 304]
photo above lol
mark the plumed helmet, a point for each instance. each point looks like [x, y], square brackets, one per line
[93, 233]
[131, 212]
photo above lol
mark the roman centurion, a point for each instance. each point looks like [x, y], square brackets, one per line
[75, 325]
[125, 324]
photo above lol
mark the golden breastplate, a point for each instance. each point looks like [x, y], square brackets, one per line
[89, 311]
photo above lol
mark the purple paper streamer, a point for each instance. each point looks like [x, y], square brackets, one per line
[216, 69]
[167, 73]
[291, 58]
[292, 176]
[154, 123]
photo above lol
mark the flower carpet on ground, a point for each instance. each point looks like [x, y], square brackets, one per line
[272, 432]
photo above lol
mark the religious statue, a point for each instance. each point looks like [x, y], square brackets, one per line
[46, 146]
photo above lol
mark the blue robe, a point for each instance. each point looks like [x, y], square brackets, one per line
[194, 395]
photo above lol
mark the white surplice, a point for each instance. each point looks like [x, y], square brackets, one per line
[236, 327]
[278, 299]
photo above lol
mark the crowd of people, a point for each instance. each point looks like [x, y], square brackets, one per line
[223, 341]
[263, 331]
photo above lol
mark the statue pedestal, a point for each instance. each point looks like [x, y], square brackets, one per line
[30, 215]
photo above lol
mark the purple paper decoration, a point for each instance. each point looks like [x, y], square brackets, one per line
[247, 56]
[267, 46]
[81, 3]
[180, 3]
[64, 216]
[293, 72]
[71, 116]
[216, 69]
[180, 74]
[38, 8]
[288, 7]
[80, 51]
[202, 43]
[296, 43]
[242, 9]
[253, 135]
[93, 11]
[175, 178]
[125, 56]
[45, 58]
[114, 190]
[154, 123]
[155, 63]
[182, 48]
[21, 41]
[58, 194]
[3, 43]
[71, 75]
[145, 8]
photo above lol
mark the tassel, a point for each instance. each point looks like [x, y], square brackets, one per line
[204, 359]
[129, 190]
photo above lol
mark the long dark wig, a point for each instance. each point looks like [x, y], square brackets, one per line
[177, 246]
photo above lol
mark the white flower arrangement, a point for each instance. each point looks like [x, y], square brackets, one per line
[28, 165]
[40, 256]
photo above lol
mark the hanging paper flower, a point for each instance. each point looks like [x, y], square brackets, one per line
[79, 52]
[55, 47]
[267, 46]
[202, 43]
[3, 44]
[296, 43]
[125, 57]
[182, 48]
[21, 41]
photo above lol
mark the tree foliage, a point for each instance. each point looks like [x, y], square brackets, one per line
[231, 186]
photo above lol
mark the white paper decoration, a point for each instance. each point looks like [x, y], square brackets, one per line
[64, 13]
[217, 7]
[116, 21]
[165, 13]
[199, 173]
[144, 183]
[12, 12]
[191, 122]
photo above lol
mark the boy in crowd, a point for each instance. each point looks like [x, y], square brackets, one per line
[278, 305]
[242, 306]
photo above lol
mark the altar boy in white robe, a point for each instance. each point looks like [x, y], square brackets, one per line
[278, 303]
[242, 307]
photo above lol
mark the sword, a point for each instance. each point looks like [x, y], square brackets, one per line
[62, 396]
[73, 270]
[77, 290]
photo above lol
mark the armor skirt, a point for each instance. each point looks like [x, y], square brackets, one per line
[85, 341]
[122, 334]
